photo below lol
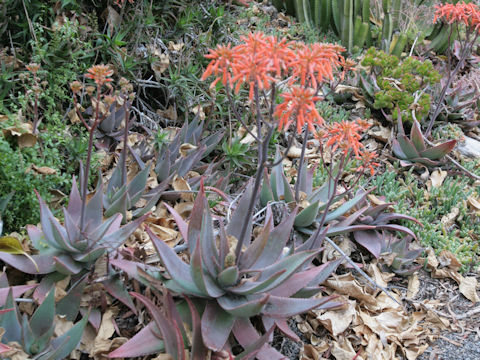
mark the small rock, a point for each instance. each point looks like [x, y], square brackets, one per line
[469, 147]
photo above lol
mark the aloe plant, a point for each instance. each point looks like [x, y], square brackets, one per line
[266, 279]
[72, 248]
[461, 103]
[414, 150]
[169, 324]
[401, 262]
[121, 196]
[36, 335]
[185, 151]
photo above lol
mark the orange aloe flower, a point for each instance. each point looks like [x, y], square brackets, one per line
[299, 105]
[252, 66]
[100, 74]
[345, 135]
[368, 162]
[468, 14]
[279, 54]
[316, 62]
[222, 59]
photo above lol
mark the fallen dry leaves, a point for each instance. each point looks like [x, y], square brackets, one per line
[373, 326]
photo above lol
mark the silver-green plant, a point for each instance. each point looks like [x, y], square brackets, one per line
[36, 335]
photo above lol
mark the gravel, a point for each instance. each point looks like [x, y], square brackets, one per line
[442, 349]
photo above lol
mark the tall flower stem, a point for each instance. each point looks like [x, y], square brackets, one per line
[125, 141]
[86, 174]
[262, 160]
[300, 165]
[451, 74]
[331, 197]
[35, 112]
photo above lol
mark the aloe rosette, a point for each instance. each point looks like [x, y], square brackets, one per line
[36, 336]
[72, 247]
[415, 150]
[267, 279]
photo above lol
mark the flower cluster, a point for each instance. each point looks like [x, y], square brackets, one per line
[260, 61]
[468, 14]
[346, 135]
[100, 74]
[298, 104]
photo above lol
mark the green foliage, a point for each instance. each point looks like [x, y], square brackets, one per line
[236, 153]
[392, 83]
[16, 174]
[409, 195]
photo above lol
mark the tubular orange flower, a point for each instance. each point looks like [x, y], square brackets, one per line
[368, 161]
[252, 65]
[345, 135]
[100, 74]
[316, 62]
[299, 105]
[278, 53]
[220, 66]
[468, 14]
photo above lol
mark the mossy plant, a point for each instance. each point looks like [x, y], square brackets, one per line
[429, 205]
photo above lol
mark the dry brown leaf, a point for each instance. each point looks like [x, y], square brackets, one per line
[186, 148]
[413, 286]
[3, 118]
[468, 288]
[175, 47]
[62, 325]
[337, 321]
[246, 137]
[44, 170]
[26, 140]
[449, 219]
[199, 110]
[16, 352]
[160, 65]
[184, 209]
[448, 259]
[346, 284]
[474, 203]
[380, 277]
[343, 350]
[437, 177]
[309, 353]
[294, 152]
[179, 184]
[164, 233]
[113, 19]
[432, 262]
[102, 343]
[380, 133]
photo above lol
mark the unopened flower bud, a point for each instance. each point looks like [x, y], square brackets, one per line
[123, 82]
[109, 99]
[90, 90]
[76, 86]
